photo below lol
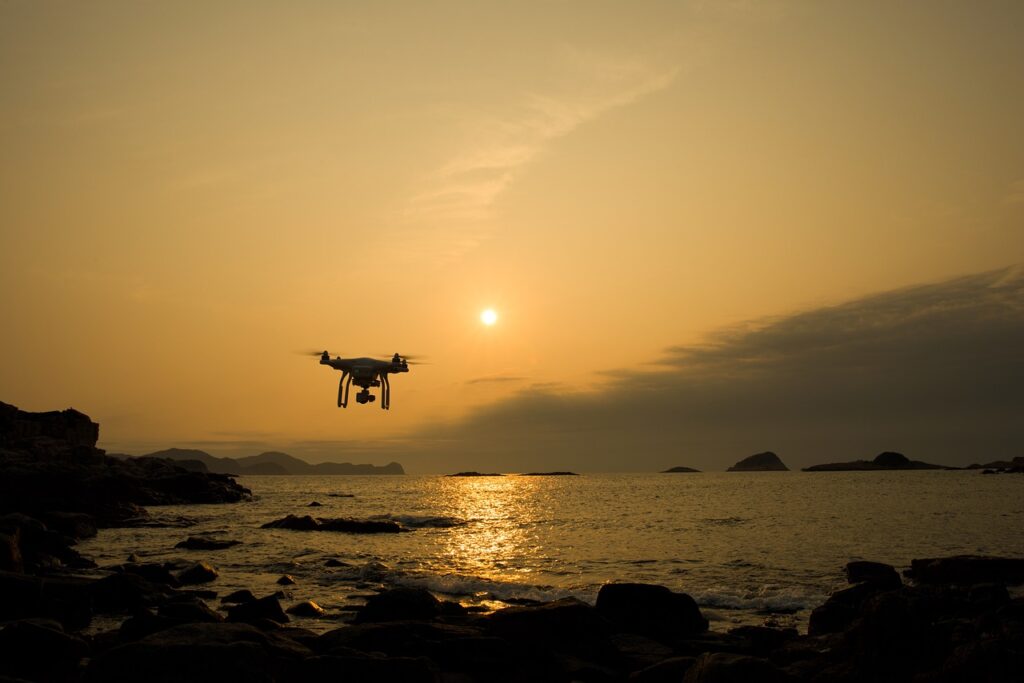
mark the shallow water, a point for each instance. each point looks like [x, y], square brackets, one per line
[750, 547]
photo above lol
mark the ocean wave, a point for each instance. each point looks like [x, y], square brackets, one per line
[768, 598]
[422, 521]
[481, 588]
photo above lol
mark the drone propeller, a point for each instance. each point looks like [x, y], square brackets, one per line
[410, 360]
[310, 352]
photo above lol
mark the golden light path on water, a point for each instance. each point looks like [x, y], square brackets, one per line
[498, 545]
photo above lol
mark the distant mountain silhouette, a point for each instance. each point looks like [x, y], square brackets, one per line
[883, 461]
[272, 462]
[760, 462]
[680, 468]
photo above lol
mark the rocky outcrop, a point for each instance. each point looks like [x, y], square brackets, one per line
[475, 474]
[968, 570]
[680, 468]
[549, 474]
[883, 461]
[1001, 466]
[760, 462]
[49, 463]
[271, 462]
[342, 524]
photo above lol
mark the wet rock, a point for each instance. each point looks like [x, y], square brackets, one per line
[239, 596]
[841, 608]
[306, 608]
[352, 526]
[189, 611]
[332, 562]
[200, 572]
[968, 569]
[262, 608]
[152, 571]
[878, 573]
[39, 650]
[399, 604]
[286, 580]
[315, 504]
[201, 652]
[651, 610]
[203, 543]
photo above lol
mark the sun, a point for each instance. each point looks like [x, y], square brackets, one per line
[489, 317]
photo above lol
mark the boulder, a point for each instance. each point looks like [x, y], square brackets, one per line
[878, 573]
[262, 608]
[200, 652]
[651, 610]
[203, 543]
[968, 569]
[200, 572]
[306, 608]
[399, 604]
[565, 626]
[363, 667]
[39, 650]
[760, 462]
[286, 580]
[239, 596]
[125, 592]
[151, 571]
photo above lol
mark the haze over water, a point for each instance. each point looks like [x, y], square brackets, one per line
[750, 547]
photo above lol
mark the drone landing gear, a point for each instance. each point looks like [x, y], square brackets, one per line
[385, 393]
[343, 385]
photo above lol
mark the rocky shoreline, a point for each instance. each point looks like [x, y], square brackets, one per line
[953, 619]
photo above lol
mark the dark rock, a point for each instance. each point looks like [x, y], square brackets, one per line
[307, 608]
[763, 640]
[201, 652]
[239, 596]
[841, 608]
[968, 569]
[341, 495]
[315, 504]
[151, 571]
[200, 572]
[549, 474]
[722, 667]
[76, 525]
[263, 608]
[567, 625]
[352, 526]
[651, 610]
[760, 462]
[671, 670]
[679, 469]
[883, 575]
[49, 465]
[127, 592]
[203, 543]
[286, 580]
[189, 611]
[332, 562]
[399, 604]
[39, 650]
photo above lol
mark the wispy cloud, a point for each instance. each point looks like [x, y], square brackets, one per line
[463, 189]
[496, 379]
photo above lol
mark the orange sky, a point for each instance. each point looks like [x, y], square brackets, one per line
[190, 192]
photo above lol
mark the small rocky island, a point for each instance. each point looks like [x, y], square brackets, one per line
[883, 461]
[760, 462]
[475, 474]
[679, 469]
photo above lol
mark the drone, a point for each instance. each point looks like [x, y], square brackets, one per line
[366, 373]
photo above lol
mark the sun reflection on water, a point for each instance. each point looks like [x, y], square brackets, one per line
[500, 542]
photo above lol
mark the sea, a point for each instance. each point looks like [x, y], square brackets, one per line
[760, 548]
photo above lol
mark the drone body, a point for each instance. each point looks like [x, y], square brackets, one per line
[365, 373]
